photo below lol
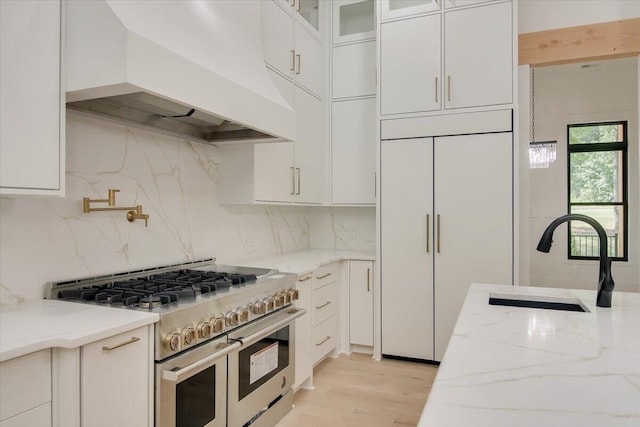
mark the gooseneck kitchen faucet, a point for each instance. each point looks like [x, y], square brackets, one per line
[605, 284]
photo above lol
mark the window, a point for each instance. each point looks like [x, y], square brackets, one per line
[597, 156]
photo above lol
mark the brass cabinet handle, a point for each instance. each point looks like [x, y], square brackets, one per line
[297, 3]
[293, 60]
[368, 280]
[449, 88]
[304, 279]
[324, 275]
[428, 233]
[438, 231]
[318, 307]
[122, 344]
[293, 181]
[327, 338]
[436, 89]
[298, 192]
[299, 63]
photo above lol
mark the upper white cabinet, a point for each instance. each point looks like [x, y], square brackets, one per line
[449, 4]
[289, 47]
[307, 12]
[474, 68]
[353, 20]
[354, 70]
[399, 8]
[353, 152]
[32, 112]
[410, 65]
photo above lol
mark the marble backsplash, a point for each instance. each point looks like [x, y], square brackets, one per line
[51, 239]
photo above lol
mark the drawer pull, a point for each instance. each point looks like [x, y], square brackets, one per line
[327, 338]
[304, 279]
[318, 307]
[324, 275]
[122, 344]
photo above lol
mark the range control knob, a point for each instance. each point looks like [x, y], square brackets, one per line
[172, 341]
[271, 303]
[279, 300]
[231, 318]
[189, 335]
[217, 323]
[260, 307]
[243, 314]
[295, 295]
[205, 329]
[287, 297]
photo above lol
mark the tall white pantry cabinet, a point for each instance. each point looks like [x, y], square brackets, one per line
[446, 151]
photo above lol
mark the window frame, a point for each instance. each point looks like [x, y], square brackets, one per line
[622, 147]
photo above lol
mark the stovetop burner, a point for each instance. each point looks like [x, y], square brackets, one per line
[159, 289]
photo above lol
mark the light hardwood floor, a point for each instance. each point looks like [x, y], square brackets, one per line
[355, 390]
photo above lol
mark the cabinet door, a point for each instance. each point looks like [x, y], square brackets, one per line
[478, 56]
[361, 302]
[274, 172]
[473, 205]
[353, 20]
[308, 61]
[354, 70]
[353, 155]
[406, 251]
[398, 8]
[36, 417]
[308, 13]
[115, 380]
[277, 38]
[410, 65]
[303, 332]
[31, 112]
[309, 148]
[449, 4]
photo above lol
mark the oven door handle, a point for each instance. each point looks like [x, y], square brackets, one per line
[190, 370]
[257, 336]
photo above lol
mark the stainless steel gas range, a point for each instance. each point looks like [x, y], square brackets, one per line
[224, 345]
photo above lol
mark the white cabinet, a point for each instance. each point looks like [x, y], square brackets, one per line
[117, 380]
[361, 303]
[32, 112]
[353, 155]
[353, 20]
[289, 48]
[398, 8]
[476, 60]
[25, 391]
[446, 209]
[303, 331]
[410, 65]
[354, 70]
[325, 308]
[449, 4]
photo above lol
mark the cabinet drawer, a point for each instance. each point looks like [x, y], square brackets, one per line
[325, 275]
[25, 382]
[36, 417]
[324, 303]
[324, 338]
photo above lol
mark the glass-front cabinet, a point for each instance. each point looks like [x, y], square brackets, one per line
[310, 11]
[399, 8]
[353, 20]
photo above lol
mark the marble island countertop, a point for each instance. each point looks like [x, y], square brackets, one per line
[513, 366]
[305, 260]
[36, 325]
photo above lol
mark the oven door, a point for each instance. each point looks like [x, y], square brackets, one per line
[261, 371]
[191, 388]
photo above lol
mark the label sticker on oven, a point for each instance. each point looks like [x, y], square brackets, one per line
[263, 362]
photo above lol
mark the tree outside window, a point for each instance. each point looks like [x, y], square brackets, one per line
[597, 156]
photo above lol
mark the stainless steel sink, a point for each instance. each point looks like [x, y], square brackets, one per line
[535, 301]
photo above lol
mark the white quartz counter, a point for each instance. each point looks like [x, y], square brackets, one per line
[36, 325]
[307, 260]
[512, 366]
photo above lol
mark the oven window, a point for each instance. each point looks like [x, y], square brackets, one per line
[262, 361]
[196, 399]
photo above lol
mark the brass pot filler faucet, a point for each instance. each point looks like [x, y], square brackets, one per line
[134, 212]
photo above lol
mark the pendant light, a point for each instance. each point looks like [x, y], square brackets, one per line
[541, 154]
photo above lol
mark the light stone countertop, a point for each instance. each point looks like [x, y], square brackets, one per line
[513, 366]
[40, 324]
[306, 260]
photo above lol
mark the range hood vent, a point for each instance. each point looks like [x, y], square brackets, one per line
[191, 69]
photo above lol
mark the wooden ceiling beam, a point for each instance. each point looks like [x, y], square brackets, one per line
[608, 40]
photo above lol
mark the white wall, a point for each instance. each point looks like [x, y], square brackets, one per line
[571, 94]
[343, 228]
[541, 15]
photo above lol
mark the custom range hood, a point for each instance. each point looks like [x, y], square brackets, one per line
[189, 68]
